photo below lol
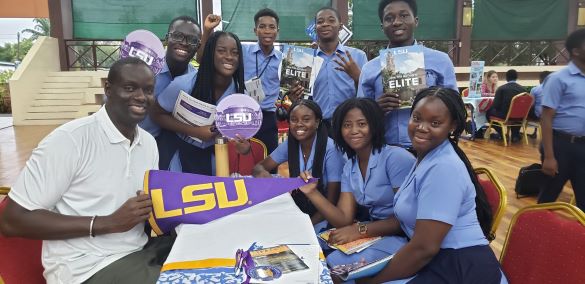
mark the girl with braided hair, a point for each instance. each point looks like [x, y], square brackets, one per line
[307, 149]
[221, 73]
[371, 176]
[441, 207]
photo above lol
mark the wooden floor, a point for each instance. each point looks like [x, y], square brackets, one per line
[16, 144]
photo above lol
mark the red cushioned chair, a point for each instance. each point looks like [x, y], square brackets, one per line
[282, 130]
[545, 244]
[465, 92]
[244, 164]
[516, 116]
[496, 194]
[20, 259]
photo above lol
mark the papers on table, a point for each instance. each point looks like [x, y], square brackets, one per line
[274, 222]
[194, 112]
[351, 247]
[309, 254]
[359, 269]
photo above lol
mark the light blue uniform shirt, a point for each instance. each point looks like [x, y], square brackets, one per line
[564, 92]
[439, 188]
[386, 170]
[332, 87]
[169, 97]
[267, 70]
[439, 72]
[163, 79]
[332, 166]
[536, 92]
[167, 101]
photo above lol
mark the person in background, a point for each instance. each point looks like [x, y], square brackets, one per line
[183, 39]
[370, 177]
[339, 75]
[536, 92]
[489, 84]
[261, 62]
[81, 190]
[399, 19]
[563, 125]
[221, 74]
[308, 148]
[441, 206]
[502, 101]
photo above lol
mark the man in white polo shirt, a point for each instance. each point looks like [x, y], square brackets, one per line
[80, 190]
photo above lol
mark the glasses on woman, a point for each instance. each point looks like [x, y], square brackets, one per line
[179, 37]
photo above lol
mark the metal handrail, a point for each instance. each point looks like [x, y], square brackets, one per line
[91, 54]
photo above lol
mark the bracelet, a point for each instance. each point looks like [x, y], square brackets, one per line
[91, 233]
[362, 228]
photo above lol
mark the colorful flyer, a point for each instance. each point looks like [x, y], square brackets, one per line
[300, 66]
[403, 72]
[475, 79]
[310, 30]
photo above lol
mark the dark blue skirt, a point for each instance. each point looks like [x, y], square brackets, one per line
[476, 264]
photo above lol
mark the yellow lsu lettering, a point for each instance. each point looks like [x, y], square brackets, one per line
[189, 194]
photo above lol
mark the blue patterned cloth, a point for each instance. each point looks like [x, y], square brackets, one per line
[220, 275]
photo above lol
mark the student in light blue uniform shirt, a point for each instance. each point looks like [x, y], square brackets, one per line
[370, 177]
[221, 69]
[183, 40]
[536, 92]
[436, 207]
[563, 125]
[261, 60]
[340, 72]
[399, 19]
[308, 148]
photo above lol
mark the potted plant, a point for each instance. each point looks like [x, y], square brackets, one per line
[5, 104]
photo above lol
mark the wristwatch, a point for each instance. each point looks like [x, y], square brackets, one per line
[362, 228]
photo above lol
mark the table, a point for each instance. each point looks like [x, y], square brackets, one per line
[205, 253]
[478, 111]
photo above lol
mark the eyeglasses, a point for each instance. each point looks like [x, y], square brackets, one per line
[180, 37]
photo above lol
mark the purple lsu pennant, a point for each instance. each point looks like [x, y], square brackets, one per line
[182, 198]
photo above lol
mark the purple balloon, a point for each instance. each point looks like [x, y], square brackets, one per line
[238, 114]
[146, 46]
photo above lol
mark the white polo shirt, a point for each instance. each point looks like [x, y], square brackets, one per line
[84, 168]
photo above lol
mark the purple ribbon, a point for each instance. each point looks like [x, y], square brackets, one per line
[244, 262]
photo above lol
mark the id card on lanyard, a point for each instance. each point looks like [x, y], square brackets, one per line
[254, 88]
[254, 85]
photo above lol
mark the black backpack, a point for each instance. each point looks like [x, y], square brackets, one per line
[530, 180]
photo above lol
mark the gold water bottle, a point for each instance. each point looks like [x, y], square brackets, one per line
[222, 162]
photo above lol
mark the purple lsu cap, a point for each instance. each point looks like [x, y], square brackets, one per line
[238, 114]
[146, 46]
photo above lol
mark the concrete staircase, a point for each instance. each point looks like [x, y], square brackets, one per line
[64, 96]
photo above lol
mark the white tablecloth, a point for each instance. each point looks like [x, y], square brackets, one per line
[205, 253]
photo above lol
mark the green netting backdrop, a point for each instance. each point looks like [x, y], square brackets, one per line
[520, 19]
[114, 19]
[437, 20]
[294, 16]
